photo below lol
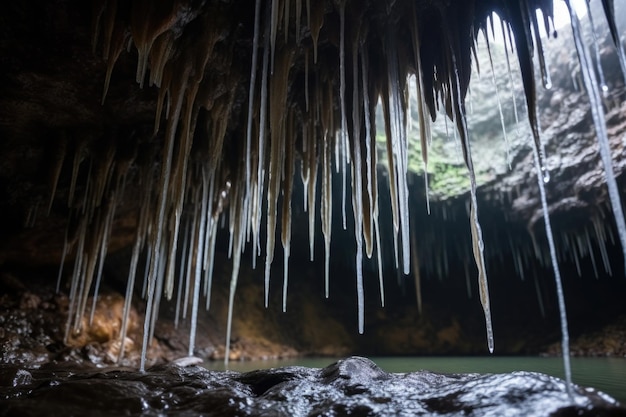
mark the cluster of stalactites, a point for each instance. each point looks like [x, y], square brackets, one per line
[314, 73]
[583, 247]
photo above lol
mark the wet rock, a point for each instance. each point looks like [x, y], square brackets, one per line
[15, 377]
[354, 386]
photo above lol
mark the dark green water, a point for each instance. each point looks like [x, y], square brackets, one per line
[605, 374]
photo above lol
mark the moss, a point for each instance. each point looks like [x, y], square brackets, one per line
[448, 180]
[447, 174]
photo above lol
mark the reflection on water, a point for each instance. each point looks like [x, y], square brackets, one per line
[605, 374]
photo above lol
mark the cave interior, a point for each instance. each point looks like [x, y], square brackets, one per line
[259, 159]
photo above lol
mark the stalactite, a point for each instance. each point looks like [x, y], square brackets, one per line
[468, 281]
[79, 155]
[599, 122]
[276, 4]
[416, 272]
[157, 240]
[306, 81]
[495, 86]
[160, 55]
[379, 262]
[393, 194]
[147, 21]
[252, 91]
[206, 42]
[62, 263]
[399, 149]
[304, 165]
[601, 241]
[539, 295]
[208, 237]
[74, 283]
[104, 243]
[119, 37]
[316, 21]
[351, 69]
[523, 41]
[457, 111]
[140, 238]
[59, 158]
[286, 17]
[298, 19]
[278, 104]
[211, 261]
[181, 272]
[543, 66]
[288, 170]
[370, 154]
[312, 157]
[591, 255]
[424, 122]
[343, 132]
[261, 145]
[234, 276]
[357, 207]
[326, 210]
[596, 51]
[609, 11]
[193, 244]
[574, 252]
[557, 274]
[158, 293]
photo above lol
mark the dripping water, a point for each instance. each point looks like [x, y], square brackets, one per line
[597, 113]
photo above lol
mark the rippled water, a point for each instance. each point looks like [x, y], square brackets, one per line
[605, 374]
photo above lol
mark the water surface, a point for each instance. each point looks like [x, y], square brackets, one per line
[605, 374]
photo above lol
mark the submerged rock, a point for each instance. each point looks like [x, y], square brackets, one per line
[349, 387]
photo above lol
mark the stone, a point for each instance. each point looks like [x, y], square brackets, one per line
[350, 387]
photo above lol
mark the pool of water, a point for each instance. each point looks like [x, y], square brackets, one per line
[605, 374]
